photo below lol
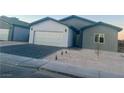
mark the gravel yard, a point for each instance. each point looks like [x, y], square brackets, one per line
[107, 61]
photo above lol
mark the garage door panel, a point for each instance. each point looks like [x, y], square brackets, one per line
[4, 33]
[49, 38]
[49, 34]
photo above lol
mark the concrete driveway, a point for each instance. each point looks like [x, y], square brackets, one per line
[28, 50]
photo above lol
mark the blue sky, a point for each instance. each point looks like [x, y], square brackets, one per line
[113, 19]
[117, 20]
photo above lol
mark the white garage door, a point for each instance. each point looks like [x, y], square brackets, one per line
[49, 38]
[4, 33]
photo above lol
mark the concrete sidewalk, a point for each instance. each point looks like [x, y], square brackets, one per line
[30, 67]
[80, 72]
[8, 43]
[12, 66]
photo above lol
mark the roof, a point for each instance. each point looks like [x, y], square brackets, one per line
[102, 23]
[45, 19]
[14, 21]
[74, 16]
[73, 28]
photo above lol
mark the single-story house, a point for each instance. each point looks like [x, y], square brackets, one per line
[12, 29]
[74, 31]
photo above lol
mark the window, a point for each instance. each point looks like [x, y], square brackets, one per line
[99, 38]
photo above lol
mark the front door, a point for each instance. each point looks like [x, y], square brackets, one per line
[77, 40]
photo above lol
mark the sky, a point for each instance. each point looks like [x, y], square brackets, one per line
[117, 20]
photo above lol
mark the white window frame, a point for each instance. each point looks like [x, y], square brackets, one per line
[100, 34]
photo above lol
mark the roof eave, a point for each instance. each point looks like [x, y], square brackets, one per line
[114, 27]
[102, 23]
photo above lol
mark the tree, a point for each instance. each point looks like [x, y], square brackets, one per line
[98, 49]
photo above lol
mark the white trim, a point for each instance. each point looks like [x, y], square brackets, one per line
[99, 38]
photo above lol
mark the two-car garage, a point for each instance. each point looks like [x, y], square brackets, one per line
[50, 32]
[48, 37]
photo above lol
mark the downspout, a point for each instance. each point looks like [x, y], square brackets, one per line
[81, 32]
[12, 33]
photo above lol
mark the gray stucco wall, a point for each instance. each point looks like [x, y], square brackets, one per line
[111, 38]
[20, 33]
[78, 23]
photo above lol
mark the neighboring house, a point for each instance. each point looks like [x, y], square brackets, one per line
[12, 29]
[74, 31]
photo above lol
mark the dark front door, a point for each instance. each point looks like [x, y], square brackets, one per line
[77, 40]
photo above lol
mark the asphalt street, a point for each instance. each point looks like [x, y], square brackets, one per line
[13, 71]
[12, 66]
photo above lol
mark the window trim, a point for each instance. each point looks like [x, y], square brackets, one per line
[100, 34]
